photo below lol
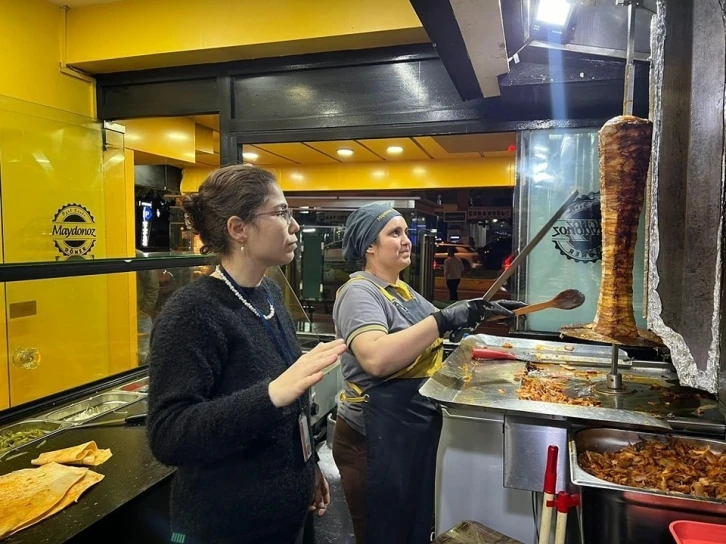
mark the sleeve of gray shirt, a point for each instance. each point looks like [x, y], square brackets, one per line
[360, 307]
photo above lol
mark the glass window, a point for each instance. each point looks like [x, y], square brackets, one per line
[553, 163]
[66, 332]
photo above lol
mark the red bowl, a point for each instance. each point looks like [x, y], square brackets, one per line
[695, 532]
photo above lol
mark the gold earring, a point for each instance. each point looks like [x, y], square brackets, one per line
[242, 248]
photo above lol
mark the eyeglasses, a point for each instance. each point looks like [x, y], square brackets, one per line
[286, 214]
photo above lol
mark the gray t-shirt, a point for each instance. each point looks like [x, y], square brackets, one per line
[361, 307]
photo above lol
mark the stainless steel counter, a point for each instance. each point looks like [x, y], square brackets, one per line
[654, 399]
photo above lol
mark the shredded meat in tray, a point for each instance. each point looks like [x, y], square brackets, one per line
[550, 390]
[675, 466]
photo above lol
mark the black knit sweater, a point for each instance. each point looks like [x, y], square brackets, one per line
[241, 475]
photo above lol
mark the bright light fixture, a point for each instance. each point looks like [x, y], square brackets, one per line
[345, 152]
[250, 156]
[394, 150]
[553, 12]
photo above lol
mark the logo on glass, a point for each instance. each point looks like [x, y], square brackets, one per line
[73, 232]
[578, 233]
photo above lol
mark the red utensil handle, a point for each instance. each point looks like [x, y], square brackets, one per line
[550, 479]
[484, 353]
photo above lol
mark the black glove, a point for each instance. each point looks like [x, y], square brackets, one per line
[469, 313]
[511, 304]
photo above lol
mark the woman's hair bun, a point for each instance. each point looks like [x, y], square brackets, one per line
[193, 213]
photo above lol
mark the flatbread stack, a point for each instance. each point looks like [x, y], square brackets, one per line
[86, 454]
[31, 495]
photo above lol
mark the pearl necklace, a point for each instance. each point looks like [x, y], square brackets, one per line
[249, 306]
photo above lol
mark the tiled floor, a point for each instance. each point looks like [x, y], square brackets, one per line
[335, 527]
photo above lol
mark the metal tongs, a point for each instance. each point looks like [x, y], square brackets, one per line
[133, 420]
[457, 335]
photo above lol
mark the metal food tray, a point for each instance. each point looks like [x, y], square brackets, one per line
[96, 406]
[602, 440]
[494, 385]
[48, 428]
[613, 513]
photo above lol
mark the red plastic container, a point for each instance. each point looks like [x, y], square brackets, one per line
[695, 532]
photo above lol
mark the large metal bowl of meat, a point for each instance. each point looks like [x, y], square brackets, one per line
[634, 484]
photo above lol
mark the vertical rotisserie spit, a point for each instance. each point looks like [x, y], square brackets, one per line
[624, 147]
[624, 159]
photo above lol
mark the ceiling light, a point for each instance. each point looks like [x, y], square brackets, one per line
[553, 12]
[394, 150]
[553, 21]
[250, 156]
[345, 152]
[378, 173]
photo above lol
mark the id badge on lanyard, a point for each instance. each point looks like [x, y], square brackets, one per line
[302, 421]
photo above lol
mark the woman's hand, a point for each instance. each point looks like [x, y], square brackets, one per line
[321, 496]
[304, 373]
[469, 313]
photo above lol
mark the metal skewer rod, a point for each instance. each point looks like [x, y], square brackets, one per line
[629, 64]
[614, 378]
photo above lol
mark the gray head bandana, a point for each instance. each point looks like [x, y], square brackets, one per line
[363, 227]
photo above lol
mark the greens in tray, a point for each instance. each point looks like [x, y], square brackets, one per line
[13, 439]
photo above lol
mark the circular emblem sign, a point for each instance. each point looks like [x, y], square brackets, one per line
[578, 233]
[74, 230]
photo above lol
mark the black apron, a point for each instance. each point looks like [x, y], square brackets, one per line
[402, 438]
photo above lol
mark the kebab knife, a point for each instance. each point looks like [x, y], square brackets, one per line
[458, 334]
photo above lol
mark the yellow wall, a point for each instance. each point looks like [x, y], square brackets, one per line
[172, 138]
[121, 288]
[30, 58]
[108, 37]
[382, 176]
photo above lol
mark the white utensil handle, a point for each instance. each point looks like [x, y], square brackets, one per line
[560, 528]
[545, 524]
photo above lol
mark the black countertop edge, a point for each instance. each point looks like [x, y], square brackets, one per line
[131, 472]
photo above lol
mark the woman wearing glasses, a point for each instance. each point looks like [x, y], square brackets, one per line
[228, 398]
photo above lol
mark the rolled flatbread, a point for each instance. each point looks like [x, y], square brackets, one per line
[86, 454]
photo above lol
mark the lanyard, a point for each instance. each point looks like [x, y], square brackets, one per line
[282, 344]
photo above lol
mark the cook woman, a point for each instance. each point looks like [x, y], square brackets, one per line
[387, 434]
